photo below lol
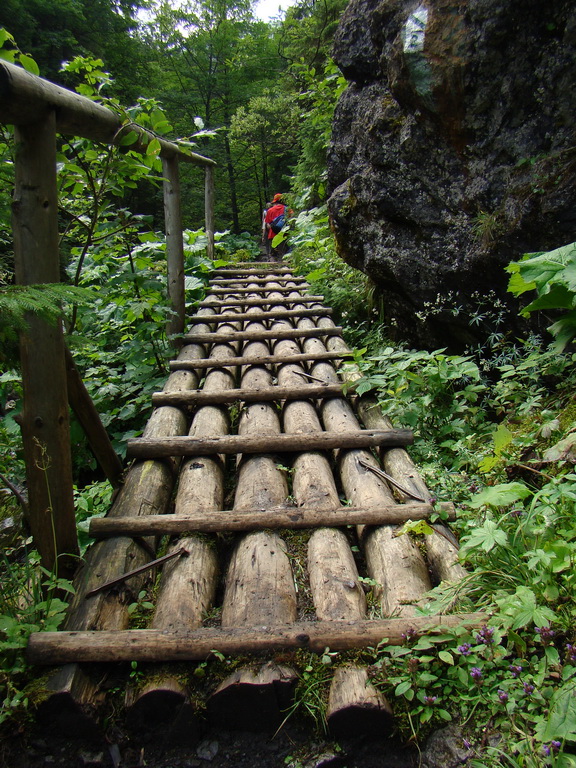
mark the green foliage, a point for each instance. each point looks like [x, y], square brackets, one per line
[319, 93]
[30, 601]
[314, 255]
[553, 276]
[513, 689]
[90, 502]
[46, 300]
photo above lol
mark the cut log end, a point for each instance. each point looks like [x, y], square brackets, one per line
[355, 706]
[253, 699]
[158, 704]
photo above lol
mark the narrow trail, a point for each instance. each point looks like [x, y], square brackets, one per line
[281, 495]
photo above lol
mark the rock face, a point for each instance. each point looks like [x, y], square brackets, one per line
[453, 152]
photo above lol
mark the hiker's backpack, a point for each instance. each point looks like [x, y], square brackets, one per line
[278, 222]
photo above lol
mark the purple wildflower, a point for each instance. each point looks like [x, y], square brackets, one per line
[528, 689]
[466, 744]
[430, 700]
[503, 696]
[476, 674]
[546, 634]
[571, 653]
[486, 635]
[465, 649]
[515, 670]
[551, 748]
[410, 634]
[516, 512]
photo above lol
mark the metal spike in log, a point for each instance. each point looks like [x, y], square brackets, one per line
[441, 550]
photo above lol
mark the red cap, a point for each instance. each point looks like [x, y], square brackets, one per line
[276, 198]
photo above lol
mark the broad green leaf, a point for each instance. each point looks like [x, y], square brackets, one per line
[29, 64]
[517, 285]
[564, 331]
[154, 148]
[446, 657]
[558, 297]
[485, 537]
[501, 495]
[130, 138]
[316, 274]
[561, 722]
[418, 527]
[502, 438]
[402, 687]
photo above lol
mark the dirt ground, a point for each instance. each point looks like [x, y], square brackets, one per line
[293, 747]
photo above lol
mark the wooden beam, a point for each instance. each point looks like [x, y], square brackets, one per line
[174, 245]
[256, 269]
[241, 282]
[274, 314]
[225, 362]
[297, 333]
[272, 517]
[148, 448]
[199, 644]
[45, 416]
[199, 397]
[209, 195]
[216, 291]
[262, 301]
[86, 413]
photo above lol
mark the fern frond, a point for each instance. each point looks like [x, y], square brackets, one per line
[46, 300]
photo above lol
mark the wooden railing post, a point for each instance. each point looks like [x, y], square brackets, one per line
[209, 209]
[45, 417]
[174, 244]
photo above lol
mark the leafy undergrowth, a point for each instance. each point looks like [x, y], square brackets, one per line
[495, 432]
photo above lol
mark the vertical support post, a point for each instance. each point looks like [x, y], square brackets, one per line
[45, 417]
[174, 245]
[209, 209]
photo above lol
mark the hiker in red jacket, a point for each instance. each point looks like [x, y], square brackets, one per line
[276, 210]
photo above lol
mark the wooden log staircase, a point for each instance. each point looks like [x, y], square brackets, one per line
[270, 496]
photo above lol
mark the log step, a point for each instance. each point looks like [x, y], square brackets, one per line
[225, 362]
[276, 289]
[198, 397]
[221, 281]
[252, 269]
[297, 333]
[199, 644]
[274, 314]
[255, 519]
[149, 448]
[258, 302]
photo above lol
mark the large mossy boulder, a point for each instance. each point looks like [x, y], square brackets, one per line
[453, 153]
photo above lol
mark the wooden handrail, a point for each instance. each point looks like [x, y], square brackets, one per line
[25, 96]
[39, 110]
